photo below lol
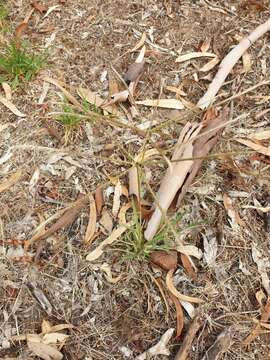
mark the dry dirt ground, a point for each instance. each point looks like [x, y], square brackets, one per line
[85, 40]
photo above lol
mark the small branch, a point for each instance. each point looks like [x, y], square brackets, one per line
[228, 63]
[187, 343]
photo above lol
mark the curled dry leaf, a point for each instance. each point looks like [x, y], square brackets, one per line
[11, 107]
[259, 148]
[160, 348]
[107, 270]
[194, 55]
[176, 293]
[122, 213]
[12, 180]
[95, 254]
[165, 260]
[179, 315]
[91, 227]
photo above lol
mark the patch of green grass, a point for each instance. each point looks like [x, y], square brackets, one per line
[3, 13]
[136, 247]
[19, 65]
[69, 118]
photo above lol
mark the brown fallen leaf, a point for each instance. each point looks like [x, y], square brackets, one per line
[11, 107]
[259, 148]
[41, 298]
[99, 199]
[12, 180]
[179, 315]
[176, 293]
[188, 266]
[165, 260]
[41, 8]
[253, 5]
[67, 218]
[91, 227]
[20, 29]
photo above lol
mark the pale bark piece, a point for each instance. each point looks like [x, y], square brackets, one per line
[174, 177]
[8, 104]
[162, 103]
[220, 346]
[228, 63]
[193, 55]
[116, 198]
[185, 348]
[91, 227]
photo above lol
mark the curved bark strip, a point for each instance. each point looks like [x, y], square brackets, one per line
[228, 63]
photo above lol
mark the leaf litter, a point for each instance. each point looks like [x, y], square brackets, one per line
[112, 157]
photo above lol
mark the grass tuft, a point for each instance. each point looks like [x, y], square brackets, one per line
[19, 65]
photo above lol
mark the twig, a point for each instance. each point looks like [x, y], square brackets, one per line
[186, 345]
[228, 63]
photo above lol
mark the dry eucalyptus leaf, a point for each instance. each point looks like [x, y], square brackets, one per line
[140, 43]
[91, 227]
[176, 293]
[247, 64]
[99, 199]
[162, 103]
[235, 219]
[259, 148]
[205, 45]
[11, 107]
[261, 135]
[7, 90]
[165, 260]
[194, 55]
[116, 198]
[106, 221]
[95, 254]
[210, 65]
